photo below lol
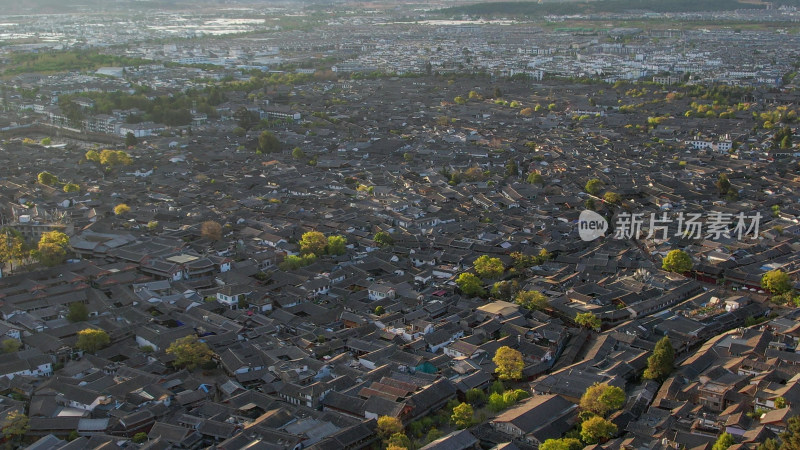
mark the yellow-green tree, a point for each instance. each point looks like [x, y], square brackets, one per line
[677, 261]
[93, 155]
[724, 441]
[189, 352]
[114, 158]
[55, 237]
[71, 187]
[462, 415]
[588, 320]
[336, 245]
[532, 300]
[388, 426]
[562, 444]
[509, 363]
[470, 285]
[601, 399]
[121, 209]
[15, 426]
[776, 281]
[91, 340]
[488, 267]
[47, 178]
[597, 429]
[313, 242]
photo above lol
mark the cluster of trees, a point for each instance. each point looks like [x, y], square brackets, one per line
[51, 249]
[48, 179]
[72, 60]
[312, 245]
[173, 110]
[486, 268]
[109, 158]
[314, 242]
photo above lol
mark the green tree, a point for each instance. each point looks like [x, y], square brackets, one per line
[596, 430]
[724, 441]
[293, 262]
[189, 352]
[91, 340]
[590, 203]
[460, 100]
[46, 141]
[15, 426]
[313, 242]
[535, 178]
[78, 312]
[511, 168]
[433, 434]
[509, 363]
[51, 254]
[130, 139]
[470, 285]
[593, 186]
[47, 178]
[388, 426]
[771, 444]
[139, 438]
[532, 300]
[268, 142]
[562, 444]
[379, 310]
[659, 364]
[780, 403]
[776, 281]
[239, 132]
[488, 267]
[121, 209]
[336, 245]
[601, 399]
[383, 239]
[408, 157]
[723, 184]
[298, 154]
[10, 345]
[497, 402]
[475, 397]
[791, 437]
[677, 261]
[588, 320]
[462, 415]
[71, 187]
